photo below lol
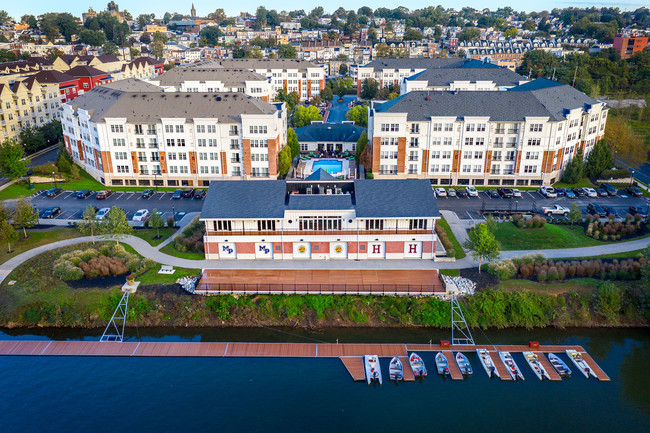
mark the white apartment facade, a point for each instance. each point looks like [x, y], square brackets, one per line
[154, 138]
[515, 138]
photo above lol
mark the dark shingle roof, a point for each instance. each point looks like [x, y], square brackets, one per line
[245, 199]
[415, 63]
[52, 76]
[85, 71]
[339, 132]
[388, 198]
[444, 77]
[320, 174]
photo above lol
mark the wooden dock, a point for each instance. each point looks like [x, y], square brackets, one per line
[407, 371]
[347, 352]
[454, 372]
[547, 366]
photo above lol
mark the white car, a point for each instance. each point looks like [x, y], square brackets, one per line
[141, 215]
[471, 191]
[590, 192]
[441, 192]
[516, 192]
[547, 191]
[102, 213]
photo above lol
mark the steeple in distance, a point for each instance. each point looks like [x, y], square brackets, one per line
[193, 11]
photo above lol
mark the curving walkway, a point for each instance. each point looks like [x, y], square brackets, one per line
[146, 250]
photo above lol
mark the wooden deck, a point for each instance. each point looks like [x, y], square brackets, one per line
[407, 371]
[354, 365]
[454, 372]
[283, 350]
[547, 366]
[320, 281]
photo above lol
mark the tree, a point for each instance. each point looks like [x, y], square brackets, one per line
[362, 142]
[218, 16]
[284, 161]
[8, 234]
[110, 48]
[413, 35]
[8, 56]
[326, 94]
[89, 224]
[369, 88]
[625, 142]
[210, 35]
[599, 159]
[303, 116]
[382, 50]
[292, 143]
[482, 244]
[96, 38]
[469, 34]
[4, 16]
[574, 170]
[156, 221]
[145, 38]
[529, 25]
[510, 33]
[359, 115]
[25, 215]
[12, 164]
[52, 131]
[575, 214]
[287, 51]
[342, 86]
[343, 69]
[32, 139]
[291, 98]
[116, 224]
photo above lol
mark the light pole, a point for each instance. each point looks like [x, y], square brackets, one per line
[54, 179]
[631, 177]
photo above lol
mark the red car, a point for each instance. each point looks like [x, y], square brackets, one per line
[101, 195]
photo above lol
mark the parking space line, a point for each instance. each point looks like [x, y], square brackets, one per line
[130, 196]
[162, 195]
[60, 214]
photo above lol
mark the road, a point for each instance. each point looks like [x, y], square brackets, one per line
[48, 156]
[338, 109]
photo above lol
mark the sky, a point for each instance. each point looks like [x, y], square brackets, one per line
[36, 7]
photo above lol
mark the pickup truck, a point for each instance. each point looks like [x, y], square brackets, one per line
[555, 210]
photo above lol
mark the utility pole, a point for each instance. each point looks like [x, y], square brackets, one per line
[553, 77]
[575, 73]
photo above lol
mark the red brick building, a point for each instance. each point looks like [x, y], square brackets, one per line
[628, 45]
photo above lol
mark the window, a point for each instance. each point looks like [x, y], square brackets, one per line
[469, 141]
[477, 168]
[200, 129]
[214, 170]
[374, 224]
[480, 141]
[536, 127]
[478, 155]
[151, 129]
[530, 169]
[480, 126]
[122, 168]
[469, 127]
[203, 156]
[414, 142]
[446, 154]
[254, 129]
[532, 155]
[534, 141]
[234, 144]
[437, 126]
[467, 168]
[179, 129]
[169, 128]
[393, 127]
[215, 156]
[467, 155]
[435, 154]
[415, 128]
[447, 141]
[181, 142]
[222, 226]
[139, 142]
[182, 156]
[265, 225]
[171, 142]
[203, 169]
[201, 142]
[173, 169]
[117, 128]
[183, 169]
[449, 127]
[212, 129]
[234, 130]
[260, 143]
[138, 129]
[435, 168]
[171, 156]
[119, 142]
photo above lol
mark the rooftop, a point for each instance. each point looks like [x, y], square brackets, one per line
[338, 132]
[501, 77]
[228, 76]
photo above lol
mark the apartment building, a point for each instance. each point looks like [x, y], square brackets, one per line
[629, 44]
[143, 68]
[131, 133]
[290, 75]
[523, 136]
[187, 79]
[25, 104]
[442, 79]
[320, 220]
[21, 69]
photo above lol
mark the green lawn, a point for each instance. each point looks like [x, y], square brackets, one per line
[450, 272]
[153, 277]
[549, 237]
[36, 239]
[584, 183]
[170, 250]
[442, 223]
[625, 255]
[149, 235]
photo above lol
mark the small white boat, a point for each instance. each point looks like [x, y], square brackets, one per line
[511, 365]
[417, 365]
[373, 369]
[395, 369]
[441, 364]
[536, 366]
[486, 361]
[580, 362]
[463, 364]
[559, 365]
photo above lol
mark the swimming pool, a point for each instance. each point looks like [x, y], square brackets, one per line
[332, 166]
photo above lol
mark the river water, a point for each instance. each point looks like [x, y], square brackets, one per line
[75, 394]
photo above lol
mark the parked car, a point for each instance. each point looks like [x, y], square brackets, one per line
[505, 192]
[103, 195]
[610, 189]
[569, 194]
[147, 193]
[141, 215]
[461, 192]
[561, 192]
[451, 192]
[548, 191]
[596, 209]
[634, 191]
[492, 193]
[610, 211]
[177, 194]
[102, 213]
[53, 192]
[441, 192]
[590, 192]
[602, 192]
[638, 210]
[555, 210]
[579, 192]
[199, 194]
[188, 193]
[471, 191]
[84, 193]
[516, 192]
[51, 212]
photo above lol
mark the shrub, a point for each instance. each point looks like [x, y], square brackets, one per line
[503, 269]
[608, 302]
[170, 222]
[619, 173]
[542, 276]
[67, 271]
[553, 274]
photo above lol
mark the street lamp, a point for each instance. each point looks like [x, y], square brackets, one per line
[631, 177]
[54, 178]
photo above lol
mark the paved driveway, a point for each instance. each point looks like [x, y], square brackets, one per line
[338, 109]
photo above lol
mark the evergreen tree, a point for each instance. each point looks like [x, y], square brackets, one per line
[292, 142]
[599, 159]
[574, 170]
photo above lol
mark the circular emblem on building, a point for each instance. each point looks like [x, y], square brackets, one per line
[301, 249]
[338, 249]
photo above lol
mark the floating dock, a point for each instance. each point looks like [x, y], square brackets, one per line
[350, 354]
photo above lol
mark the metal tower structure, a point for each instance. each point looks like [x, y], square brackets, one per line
[460, 333]
[115, 329]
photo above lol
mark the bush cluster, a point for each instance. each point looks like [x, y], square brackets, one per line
[537, 267]
[612, 230]
[111, 259]
[618, 173]
[191, 238]
[446, 243]
[536, 222]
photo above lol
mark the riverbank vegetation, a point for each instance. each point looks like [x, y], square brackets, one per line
[448, 240]
[189, 243]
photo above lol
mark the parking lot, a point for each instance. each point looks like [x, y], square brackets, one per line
[130, 202]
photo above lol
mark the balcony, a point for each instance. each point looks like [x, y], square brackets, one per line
[513, 131]
[413, 158]
[353, 231]
[500, 131]
[142, 158]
